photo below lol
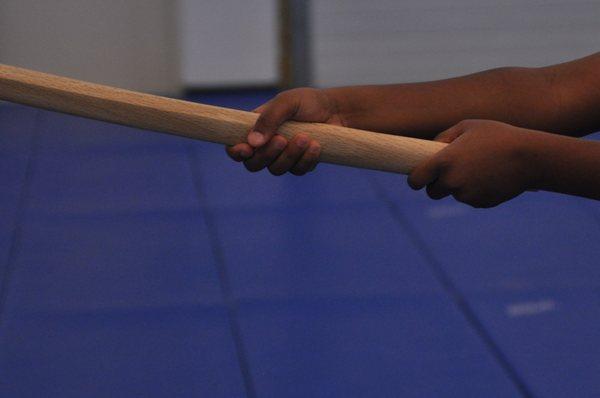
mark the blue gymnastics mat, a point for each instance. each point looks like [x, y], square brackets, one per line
[141, 264]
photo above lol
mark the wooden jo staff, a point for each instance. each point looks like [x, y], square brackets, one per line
[340, 145]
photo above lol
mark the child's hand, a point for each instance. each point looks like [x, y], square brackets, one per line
[486, 163]
[267, 149]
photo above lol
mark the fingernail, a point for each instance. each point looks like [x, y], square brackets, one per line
[302, 142]
[256, 139]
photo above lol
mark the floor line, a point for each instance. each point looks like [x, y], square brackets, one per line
[223, 275]
[17, 235]
[453, 291]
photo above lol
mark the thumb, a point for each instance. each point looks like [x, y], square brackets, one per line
[425, 173]
[450, 134]
[272, 115]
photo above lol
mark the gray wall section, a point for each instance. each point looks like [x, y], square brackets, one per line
[384, 41]
[229, 43]
[135, 43]
[130, 44]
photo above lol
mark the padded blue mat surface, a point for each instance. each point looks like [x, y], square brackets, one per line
[140, 264]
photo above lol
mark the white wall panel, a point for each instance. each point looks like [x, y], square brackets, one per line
[129, 43]
[229, 43]
[384, 41]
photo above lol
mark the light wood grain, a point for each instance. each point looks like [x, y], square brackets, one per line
[340, 145]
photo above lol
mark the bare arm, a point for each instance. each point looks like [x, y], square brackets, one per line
[562, 99]
[568, 165]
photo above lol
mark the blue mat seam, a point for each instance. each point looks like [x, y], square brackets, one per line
[17, 233]
[453, 291]
[224, 279]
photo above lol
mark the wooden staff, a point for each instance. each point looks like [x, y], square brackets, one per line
[340, 145]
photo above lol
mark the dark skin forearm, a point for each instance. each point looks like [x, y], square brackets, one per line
[568, 165]
[486, 162]
[561, 99]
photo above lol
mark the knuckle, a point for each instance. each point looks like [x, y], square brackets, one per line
[298, 91]
[302, 167]
[311, 162]
[462, 196]
[288, 95]
[276, 171]
[435, 192]
[432, 195]
[253, 166]
[282, 96]
[463, 124]
[467, 124]
[413, 182]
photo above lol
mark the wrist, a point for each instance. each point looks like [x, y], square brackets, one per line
[533, 154]
[338, 103]
[547, 157]
[353, 105]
